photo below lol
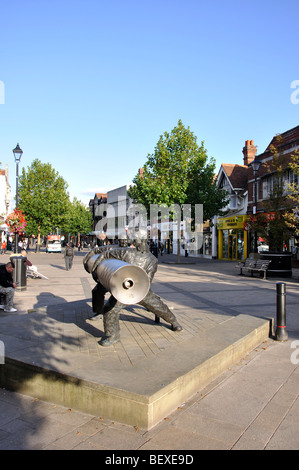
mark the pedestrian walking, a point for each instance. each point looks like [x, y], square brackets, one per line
[68, 256]
[3, 247]
[161, 248]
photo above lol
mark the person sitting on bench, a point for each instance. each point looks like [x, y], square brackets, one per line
[7, 286]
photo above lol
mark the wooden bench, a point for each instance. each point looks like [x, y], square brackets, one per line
[254, 265]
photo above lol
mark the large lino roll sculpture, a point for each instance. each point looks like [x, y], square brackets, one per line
[127, 283]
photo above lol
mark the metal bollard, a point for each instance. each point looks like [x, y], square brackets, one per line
[281, 332]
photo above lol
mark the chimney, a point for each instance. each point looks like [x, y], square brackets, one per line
[249, 152]
[140, 172]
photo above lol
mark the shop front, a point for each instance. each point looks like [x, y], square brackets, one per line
[232, 238]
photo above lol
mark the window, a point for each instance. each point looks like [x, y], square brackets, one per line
[233, 202]
[268, 185]
[289, 178]
[292, 178]
[208, 244]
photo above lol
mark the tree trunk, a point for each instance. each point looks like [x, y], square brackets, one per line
[38, 239]
[179, 250]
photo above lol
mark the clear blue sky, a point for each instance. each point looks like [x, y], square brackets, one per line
[90, 85]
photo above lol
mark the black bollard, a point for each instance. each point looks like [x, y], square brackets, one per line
[281, 332]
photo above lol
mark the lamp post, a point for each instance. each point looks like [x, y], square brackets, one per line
[18, 152]
[255, 164]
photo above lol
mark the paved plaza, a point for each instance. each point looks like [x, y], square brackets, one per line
[253, 404]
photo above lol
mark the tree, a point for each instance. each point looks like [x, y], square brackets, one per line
[178, 172]
[43, 197]
[78, 220]
[291, 217]
[164, 176]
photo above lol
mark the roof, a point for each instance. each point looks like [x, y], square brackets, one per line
[288, 137]
[237, 175]
[100, 198]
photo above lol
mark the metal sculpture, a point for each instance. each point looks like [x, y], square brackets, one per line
[127, 283]
[121, 281]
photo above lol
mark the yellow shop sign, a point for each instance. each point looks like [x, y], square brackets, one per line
[231, 222]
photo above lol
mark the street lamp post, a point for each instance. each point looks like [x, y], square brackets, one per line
[255, 164]
[18, 152]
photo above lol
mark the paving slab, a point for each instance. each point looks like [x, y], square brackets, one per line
[53, 350]
[52, 335]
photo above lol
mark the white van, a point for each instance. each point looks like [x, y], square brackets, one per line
[53, 244]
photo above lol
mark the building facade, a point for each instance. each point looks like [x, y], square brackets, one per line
[248, 192]
[97, 207]
[4, 202]
[226, 238]
[230, 235]
[260, 184]
[110, 213]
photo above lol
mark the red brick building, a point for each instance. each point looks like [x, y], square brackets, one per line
[232, 240]
[287, 145]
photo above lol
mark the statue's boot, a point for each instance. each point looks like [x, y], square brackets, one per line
[175, 326]
[153, 303]
[111, 326]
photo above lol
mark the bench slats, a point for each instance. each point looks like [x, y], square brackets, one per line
[254, 265]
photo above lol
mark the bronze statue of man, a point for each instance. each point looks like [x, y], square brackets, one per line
[138, 255]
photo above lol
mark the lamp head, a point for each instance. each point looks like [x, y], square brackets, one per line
[18, 152]
[255, 164]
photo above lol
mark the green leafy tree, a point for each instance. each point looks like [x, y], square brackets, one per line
[165, 175]
[178, 172]
[78, 220]
[43, 197]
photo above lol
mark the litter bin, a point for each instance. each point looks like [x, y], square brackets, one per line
[281, 264]
[19, 273]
